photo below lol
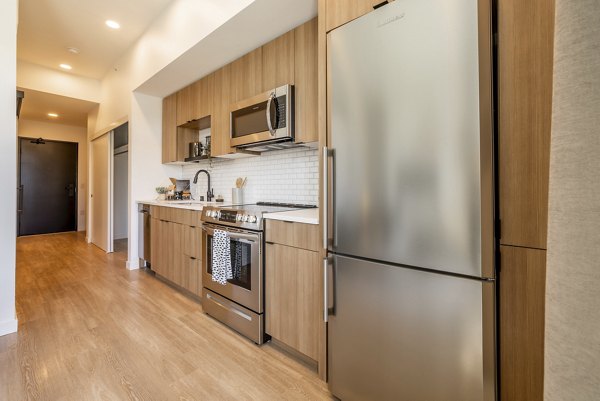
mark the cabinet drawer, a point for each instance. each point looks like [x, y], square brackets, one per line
[192, 241]
[176, 215]
[299, 235]
[191, 277]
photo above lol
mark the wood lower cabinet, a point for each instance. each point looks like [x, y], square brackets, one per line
[292, 297]
[521, 321]
[169, 129]
[176, 247]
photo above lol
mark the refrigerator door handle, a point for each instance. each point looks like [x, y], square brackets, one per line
[327, 153]
[325, 197]
[325, 294]
[327, 310]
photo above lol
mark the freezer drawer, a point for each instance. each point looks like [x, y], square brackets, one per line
[404, 334]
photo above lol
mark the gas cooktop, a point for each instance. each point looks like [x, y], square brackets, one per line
[248, 216]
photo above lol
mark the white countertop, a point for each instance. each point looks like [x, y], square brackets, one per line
[185, 204]
[308, 216]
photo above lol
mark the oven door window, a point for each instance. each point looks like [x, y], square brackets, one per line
[241, 262]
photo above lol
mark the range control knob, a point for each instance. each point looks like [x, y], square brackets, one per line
[252, 219]
[238, 217]
[245, 218]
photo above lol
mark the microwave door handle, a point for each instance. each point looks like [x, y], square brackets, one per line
[269, 123]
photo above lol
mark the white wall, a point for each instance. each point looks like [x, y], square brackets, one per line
[572, 345]
[67, 133]
[8, 164]
[145, 153]
[120, 203]
[178, 28]
[43, 79]
[280, 176]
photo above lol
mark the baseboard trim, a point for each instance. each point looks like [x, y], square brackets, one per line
[8, 327]
[133, 265]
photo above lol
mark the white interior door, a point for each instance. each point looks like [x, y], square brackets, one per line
[100, 197]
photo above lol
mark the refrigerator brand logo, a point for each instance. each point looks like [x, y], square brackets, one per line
[389, 20]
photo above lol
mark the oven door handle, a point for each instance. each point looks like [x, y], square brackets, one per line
[252, 238]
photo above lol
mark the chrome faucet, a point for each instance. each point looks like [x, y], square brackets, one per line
[209, 193]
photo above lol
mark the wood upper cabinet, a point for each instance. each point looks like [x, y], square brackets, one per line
[195, 101]
[219, 120]
[522, 310]
[338, 12]
[203, 93]
[185, 104]
[246, 76]
[169, 129]
[305, 79]
[292, 297]
[278, 62]
[525, 59]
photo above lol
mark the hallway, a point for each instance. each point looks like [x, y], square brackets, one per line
[91, 330]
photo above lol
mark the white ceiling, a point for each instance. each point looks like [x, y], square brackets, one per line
[37, 105]
[48, 27]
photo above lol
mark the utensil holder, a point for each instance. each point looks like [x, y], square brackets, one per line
[237, 196]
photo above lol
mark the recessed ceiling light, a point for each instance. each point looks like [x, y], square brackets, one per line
[73, 50]
[53, 115]
[112, 24]
[65, 67]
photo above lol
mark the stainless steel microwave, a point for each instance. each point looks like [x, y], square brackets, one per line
[263, 119]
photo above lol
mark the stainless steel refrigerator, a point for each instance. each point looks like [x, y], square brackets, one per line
[410, 278]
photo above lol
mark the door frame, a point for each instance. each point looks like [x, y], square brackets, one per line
[20, 195]
[108, 200]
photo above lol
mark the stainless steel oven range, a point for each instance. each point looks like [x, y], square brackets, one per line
[240, 302]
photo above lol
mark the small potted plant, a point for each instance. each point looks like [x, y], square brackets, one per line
[161, 191]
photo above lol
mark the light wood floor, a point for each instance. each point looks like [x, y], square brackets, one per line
[91, 330]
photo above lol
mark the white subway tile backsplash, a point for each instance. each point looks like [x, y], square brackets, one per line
[280, 176]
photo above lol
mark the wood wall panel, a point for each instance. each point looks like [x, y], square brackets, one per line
[522, 288]
[525, 55]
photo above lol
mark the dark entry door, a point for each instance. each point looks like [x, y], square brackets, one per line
[47, 186]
